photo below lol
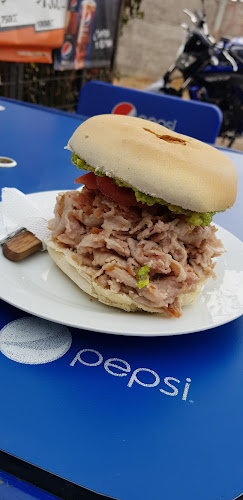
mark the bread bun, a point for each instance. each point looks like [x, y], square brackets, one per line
[157, 161]
[83, 277]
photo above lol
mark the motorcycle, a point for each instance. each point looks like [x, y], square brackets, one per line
[211, 71]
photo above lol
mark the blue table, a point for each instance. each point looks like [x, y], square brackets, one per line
[36, 137]
[77, 417]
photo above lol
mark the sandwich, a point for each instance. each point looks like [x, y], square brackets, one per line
[138, 234]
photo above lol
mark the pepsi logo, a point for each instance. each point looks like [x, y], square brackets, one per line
[87, 18]
[124, 108]
[34, 341]
[66, 50]
[73, 3]
[127, 108]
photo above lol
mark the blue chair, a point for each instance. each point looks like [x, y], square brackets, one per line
[199, 120]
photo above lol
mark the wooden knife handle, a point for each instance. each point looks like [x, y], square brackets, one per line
[21, 246]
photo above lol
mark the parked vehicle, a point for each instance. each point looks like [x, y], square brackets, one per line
[210, 71]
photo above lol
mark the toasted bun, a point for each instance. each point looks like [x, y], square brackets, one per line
[157, 161]
[83, 277]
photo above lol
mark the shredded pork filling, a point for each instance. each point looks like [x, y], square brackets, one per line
[116, 241]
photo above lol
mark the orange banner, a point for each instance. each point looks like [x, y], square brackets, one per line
[29, 31]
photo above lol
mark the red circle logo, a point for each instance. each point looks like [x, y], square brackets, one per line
[67, 49]
[124, 108]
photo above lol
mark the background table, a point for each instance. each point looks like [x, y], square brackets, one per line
[77, 417]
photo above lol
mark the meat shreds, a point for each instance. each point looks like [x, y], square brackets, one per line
[116, 241]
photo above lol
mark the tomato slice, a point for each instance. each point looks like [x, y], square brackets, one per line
[121, 195]
[89, 180]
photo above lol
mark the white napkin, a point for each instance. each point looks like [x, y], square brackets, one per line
[18, 211]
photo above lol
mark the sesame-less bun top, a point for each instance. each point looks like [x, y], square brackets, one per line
[157, 161]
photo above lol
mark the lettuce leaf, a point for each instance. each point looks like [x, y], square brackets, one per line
[143, 276]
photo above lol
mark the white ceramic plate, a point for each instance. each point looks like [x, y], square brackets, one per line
[37, 286]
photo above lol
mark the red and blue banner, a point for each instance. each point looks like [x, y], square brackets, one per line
[91, 32]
